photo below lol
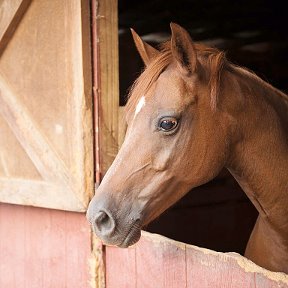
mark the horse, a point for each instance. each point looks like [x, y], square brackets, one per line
[190, 114]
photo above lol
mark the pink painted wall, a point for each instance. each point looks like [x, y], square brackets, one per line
[43, 248]
[158, 262]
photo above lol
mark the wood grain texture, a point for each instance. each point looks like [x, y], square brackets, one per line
[161, 265]
[11, 13]
[156, 261]
[96, 264]
[219, 269]
[108, 88]
[43, 248]
[46, 104]
[121, 262]
[34, 193]
[29, 135]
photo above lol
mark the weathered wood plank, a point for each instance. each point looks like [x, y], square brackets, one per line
[121, 262]
[205, 267]
[35, 193]
[46, 104]
[108, 88]
[11, 13]
[263, 282]
[43, 248]
[162, 262]
[96, 263]
[29, 135]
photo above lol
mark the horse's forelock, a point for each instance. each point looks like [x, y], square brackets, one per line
[147, 78]
[214, 62]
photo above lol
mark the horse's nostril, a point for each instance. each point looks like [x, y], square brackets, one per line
[104, 223]
[102, 219]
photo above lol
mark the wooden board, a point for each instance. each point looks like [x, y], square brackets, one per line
[156, 261]
[108, 111]
[46, 137]
[43, 248]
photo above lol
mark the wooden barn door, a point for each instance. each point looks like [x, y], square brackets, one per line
[45, 104]
[46, 144]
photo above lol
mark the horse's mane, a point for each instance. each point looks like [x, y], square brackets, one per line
[247, 73]
[212, 58]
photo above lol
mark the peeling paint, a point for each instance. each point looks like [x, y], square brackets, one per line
[246, 264]
[96, 264]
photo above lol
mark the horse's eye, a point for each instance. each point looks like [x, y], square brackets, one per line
[168, 124]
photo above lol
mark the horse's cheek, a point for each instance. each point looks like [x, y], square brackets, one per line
[160, 160]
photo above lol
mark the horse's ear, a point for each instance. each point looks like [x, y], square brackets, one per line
[147, 52]
[183, 49]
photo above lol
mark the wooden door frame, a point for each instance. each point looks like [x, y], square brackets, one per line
[108, 115]
[109, 127]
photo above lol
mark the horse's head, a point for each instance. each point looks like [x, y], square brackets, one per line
[176, 138]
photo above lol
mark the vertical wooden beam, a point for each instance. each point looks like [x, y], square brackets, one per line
[96, 264]
[96, 89]
[108, 82]
[106, 106]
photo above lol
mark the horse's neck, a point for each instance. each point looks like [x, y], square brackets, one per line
[259, 158]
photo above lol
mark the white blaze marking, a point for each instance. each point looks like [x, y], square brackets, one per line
[140, 105]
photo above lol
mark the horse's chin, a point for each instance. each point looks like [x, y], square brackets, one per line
[131, 238]
[122, 240]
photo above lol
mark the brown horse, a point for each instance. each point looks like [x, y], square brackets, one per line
[190, 114]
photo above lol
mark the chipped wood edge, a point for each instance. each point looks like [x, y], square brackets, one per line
[108, 88]
[96, 263]
[82, 81]
[246, 264]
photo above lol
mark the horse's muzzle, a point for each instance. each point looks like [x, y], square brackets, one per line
[121, 231]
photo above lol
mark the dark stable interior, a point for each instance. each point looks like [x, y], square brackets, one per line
[253, 33]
